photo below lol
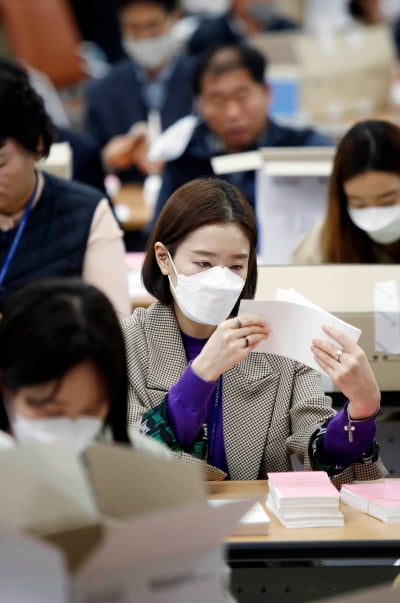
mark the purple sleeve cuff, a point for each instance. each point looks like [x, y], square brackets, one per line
[337, 444]
[187, 405]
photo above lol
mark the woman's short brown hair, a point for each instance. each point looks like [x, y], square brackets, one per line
[198, 203]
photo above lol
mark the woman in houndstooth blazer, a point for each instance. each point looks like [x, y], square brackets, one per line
[194, 382]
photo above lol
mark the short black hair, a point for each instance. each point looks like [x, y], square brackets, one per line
[51, 325]
[23, 115]
[231, 56]
[169, 5]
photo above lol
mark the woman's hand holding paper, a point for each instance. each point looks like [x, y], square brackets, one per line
[231, 342]
[347, 366]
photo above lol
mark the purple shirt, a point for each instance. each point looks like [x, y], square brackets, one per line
[192, 402]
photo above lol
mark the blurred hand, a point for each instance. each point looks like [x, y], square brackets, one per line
[352, 374]
[229, 344]
[139, 158]
[127, 150]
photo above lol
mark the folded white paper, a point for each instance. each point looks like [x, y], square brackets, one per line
[295, 322]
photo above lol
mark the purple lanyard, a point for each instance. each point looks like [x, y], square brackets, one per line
[18, 235]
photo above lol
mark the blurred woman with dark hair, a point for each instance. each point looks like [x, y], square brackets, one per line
[63, 368]
[195, 384]
[362, 224]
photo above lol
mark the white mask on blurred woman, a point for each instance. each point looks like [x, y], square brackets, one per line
[80, 432]
[382, 224]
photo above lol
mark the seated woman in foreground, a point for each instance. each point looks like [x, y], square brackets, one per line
[362, 224]
[63, 368]
[194, 382]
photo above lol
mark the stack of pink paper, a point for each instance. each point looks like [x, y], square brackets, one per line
[381, 499]
[304, 499]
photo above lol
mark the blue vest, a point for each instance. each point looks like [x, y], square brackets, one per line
[55, 237]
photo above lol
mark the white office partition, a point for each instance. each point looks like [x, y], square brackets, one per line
[291, 196]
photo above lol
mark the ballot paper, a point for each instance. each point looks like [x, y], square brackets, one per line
[304, 499]
[295, 321]
[380, 498]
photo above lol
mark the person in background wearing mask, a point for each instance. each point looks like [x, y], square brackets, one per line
[154, 81]
[362, 224]
[232, 99]
[63, 368]
[194, 382]
[238, 20]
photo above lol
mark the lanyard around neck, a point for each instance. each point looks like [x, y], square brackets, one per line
[18, 234]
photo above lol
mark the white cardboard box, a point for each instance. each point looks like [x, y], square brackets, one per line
[291, 196]
[138, 530]
[333, 74]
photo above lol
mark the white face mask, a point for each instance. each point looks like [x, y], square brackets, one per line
[207, 297]
[208, 9]
[152, 52]
[382, 224]
[80, 432]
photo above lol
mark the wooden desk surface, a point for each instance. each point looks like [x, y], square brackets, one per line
[131, 208]
[361, 533]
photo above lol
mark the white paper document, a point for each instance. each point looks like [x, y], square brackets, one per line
[295, 322]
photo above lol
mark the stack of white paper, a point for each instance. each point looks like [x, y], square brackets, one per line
[381, 499]
[304, 499]
[255, 521]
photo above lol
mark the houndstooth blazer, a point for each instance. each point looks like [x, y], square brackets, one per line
[271, 404]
